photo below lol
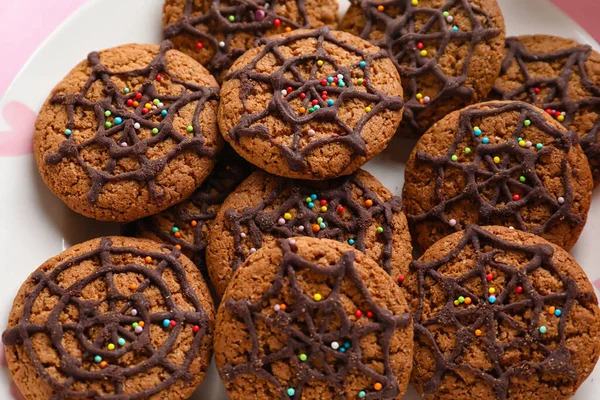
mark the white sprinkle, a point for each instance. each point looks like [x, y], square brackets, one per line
[266, 6]
[243, 234]
[311, 132]
[301, 228]
[335, 345]
[281, 221]
[277, 307]
[292, 242]
[563, 113]
[452, 222]
[139, 329]
[528, 144]
[134, 312]
[340, 76]
[136, 125]
[160, 104]
[450, 18]
[561, 200]
[124, 144]
[511, 227]
[426, 99]
[221, 44]
[284, 92]
[154, 107]
[252, 250]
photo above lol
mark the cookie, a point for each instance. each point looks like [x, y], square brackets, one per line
[562, 77]
[501, 314]
[448, 52]
[314, 319]
[356, 209]
[111, 318]
[311, 104]
[498, 163]
[216, 33]
[186, 225]
[129, 132]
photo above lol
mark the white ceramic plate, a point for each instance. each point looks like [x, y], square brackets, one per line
[35, 225]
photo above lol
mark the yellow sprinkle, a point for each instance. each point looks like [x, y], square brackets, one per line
[111, 346]
[324, 208]
[317, 297]
[497, 160]
[522, 143]
[560, 118]
[423, 53]
[456, 302]
[492, 290]
[287, 216]
[478, 332]
[419, 96]
[415, 2]
[320, 63]
[368, 109]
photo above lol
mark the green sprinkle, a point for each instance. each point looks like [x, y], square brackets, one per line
[190, 128]
[107, 124]
[446, 13]
[231, 18]
[379, 229]
[527, 122]
[134, 325]
[174, 229]
[126, 90]
[522, 178]
[539, 146]
[303, 357]
[308, 200]
[291, 392]
[155, 130]
[107, 113]
[319, 220]
[68, 132]
[360, 81]
[461, 299]
[156, 101]
[467, 150]
[454, 157]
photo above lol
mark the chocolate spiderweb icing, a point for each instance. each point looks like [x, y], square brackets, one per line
[111, 139]
[289, 75]
[306, 332]
[481, 173]
[520, 311]
[114, 324]
[254, 17]
[401, 38]
[557, 96]
[291, 194]
[198, 209]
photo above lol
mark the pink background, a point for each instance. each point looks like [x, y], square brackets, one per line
[34, 20]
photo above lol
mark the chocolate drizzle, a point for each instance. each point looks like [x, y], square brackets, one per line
[400, 38]
[488, 317]
[113, 324]
[481, 173]
[199, 207]
[336, 192]
[299, 324]
[111, 139]
[218, 28]
[558, 96]
[251, 125]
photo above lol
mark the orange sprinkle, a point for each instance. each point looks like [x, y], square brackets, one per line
[194, 223]
[177, 234]
[178, 247]
[133, 286]
[136, 103]
[551, 310]
[478, 332]
[316, 228]
[148, 259]
[141, 323]
[380, 8]
[302, 110]
[103, 364]
[467, 300]
[377, 386]
[422, 101]
[288, 29]
[369, 203]
[282, 307]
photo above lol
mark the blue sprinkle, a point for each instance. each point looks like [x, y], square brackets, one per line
[557, 312]
[350, 242]
[311, 205]
[362, 64]
[539, 146]
[322, 225]
[166, 323]
[313, 196]
[492, 299]
[118, 120]
[347, 345]
[68, 132]
[519, 139]
[485, 140]
[317, 107]
[330, 102]
[343, 349]
[330, 79]
[341, 84]
[163, 113]
[362, 394]
[477, 132]
[543, 329]
[97, 359]
[455, 28]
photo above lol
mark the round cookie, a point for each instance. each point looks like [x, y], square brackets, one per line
[111, 318]
[497, 163]
[501, 314]
[186, 225]
[206, 31]
[560, 76]
[129, 132]
[448, 52]
[355, 209]
[314, 319]
[311, 104]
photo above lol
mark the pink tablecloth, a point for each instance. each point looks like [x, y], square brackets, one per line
[31, 21]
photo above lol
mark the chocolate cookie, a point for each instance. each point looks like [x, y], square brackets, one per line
[562, 77]
[311, 104]
[498, 163]
[313, 319]
[186, 225]
[129, 132]
[215, 33]
[501, 314]
[448, 52]
[111, 318]
[355, 209]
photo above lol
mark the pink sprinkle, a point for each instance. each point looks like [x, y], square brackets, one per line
[134, 312]
[528, 144]
[292, 242]
[243, 234]
[452, 222]
[139, 329]
[124, 144]
[281, 221]
[252, 250]
[561, 200]
[301, 228]
[277, 307]
[260, 15]
[311, 132]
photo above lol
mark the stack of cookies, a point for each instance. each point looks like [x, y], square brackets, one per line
[232, 154]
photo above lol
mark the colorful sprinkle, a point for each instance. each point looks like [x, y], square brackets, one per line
[468, 300]
[423, 53]
[461, 299]
[561, 200]
[252, 250]
[121, 342]
[519, 289]
[478, 332]
[489, 277]
[492, 299]
[543, 329]
[68, 132]
[277, 22]
[317, 297]
[455, 28]
[557, 312]
[259, 15]
[401, 279]
[138, 329]
[497, 160]
[108, 124]
[303, 357]
[134, 312]
[311, 132]
[454, 157]
[379, 229]
[155, 131]
[291, 392]
[368, 202]
[335, 345]
[467, 150]
[196, 329]
[522, 143]
[380, 8]
[103, 364]
[560, 118]
[378, 386]
[166, 323]
[516, 197]
[351, 242]
[358, 313]
[148, 259]
[362, 394]
[107, 113]
[362, 64]
[527, 122]
[97, 359]
[110, 346]
[491, 290]
[477, 131]
[136, 125]
[539, 146]
[190, 128]
[368, 109]
[522, 179]
[452, 222]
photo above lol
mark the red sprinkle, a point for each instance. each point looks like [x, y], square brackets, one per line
[401, 279]
[323, 202]
[369, 314]
[420, 45]
[358, 313]
[302, 95]
[138, 96]
[144, 110]
[324, 82]
[335, 79]
[340, 209]
[129, 102]
[158, 78]
[324, 97]
[324, 92]
[519, 289]
[277, 22]
[516, 197]
[557, 113]
[537, 90]
[196, 329]
[549, 111]
[199, 45]
[289, 89]
[315, 102]
[489, 277]
[173, 323]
